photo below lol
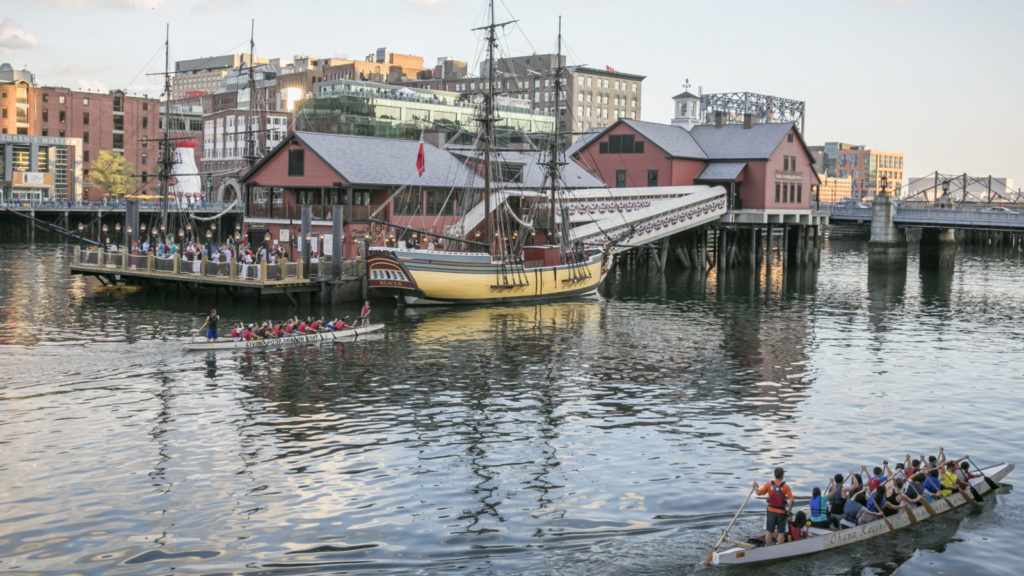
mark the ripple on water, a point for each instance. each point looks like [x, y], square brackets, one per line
[614, 435]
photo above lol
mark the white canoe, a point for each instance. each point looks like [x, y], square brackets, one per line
[821, 539]
[347, 334]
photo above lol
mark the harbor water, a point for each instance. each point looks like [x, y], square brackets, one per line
[611, 435]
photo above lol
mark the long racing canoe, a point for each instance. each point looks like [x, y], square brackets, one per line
[819, 539]
[344, 335]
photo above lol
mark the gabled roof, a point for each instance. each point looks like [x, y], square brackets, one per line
[704, 142]
[734, 142]
[534, 171]
[720, 171]
[387, 162]
[686, 94]
[674, 140]
[584, 139]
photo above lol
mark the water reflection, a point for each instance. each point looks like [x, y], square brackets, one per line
[936, 273]
[616, 434]
[887, 286]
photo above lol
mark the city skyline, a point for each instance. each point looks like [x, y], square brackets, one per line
[933, 79]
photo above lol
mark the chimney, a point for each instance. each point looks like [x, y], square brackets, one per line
[435, 138]
[748, 120]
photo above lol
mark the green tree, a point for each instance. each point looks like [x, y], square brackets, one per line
[111, 173]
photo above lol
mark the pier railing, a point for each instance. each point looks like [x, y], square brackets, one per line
[201, 269]
[114, 206]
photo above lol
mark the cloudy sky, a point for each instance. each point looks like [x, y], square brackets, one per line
[939, 80]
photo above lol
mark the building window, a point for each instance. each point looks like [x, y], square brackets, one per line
[620, 178]
[85, 101]
[145, 141]
[296, 162]
[118, 142]
[792, 191]
[85, 155]
[789, 137]
[778, 191]
[785, 163]
[61, 134]
[799, 193]
[85, 118]
[145, 122]
[46, 97]
[145, 159]
[45, 132]
[652, 177]
[62, 115]
[85, 137]
[145, 106]
[60, 99]
[46, 115]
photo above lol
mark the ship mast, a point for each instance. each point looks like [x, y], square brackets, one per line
[487, 121]
[250, 144]
[555, 163]
[167, 156]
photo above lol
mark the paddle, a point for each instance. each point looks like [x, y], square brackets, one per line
[910, 514]
[881, 514]
[956, 483]
[200, 329]
[992, 484]
[729, 527]
[920, 496]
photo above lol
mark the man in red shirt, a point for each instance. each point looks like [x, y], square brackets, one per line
[780, 501]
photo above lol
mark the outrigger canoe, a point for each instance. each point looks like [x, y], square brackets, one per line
[344, 335]
[820, 539]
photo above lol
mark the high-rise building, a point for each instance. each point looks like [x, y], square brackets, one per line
[203, 75]
[591, 97]
[866, 168]
[116, 121]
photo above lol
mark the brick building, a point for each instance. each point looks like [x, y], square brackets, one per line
[765, 167]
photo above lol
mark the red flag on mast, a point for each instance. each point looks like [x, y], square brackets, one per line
[421, 160]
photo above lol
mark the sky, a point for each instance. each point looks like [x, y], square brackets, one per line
[938, 80]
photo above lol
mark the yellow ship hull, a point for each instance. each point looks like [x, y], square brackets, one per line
[425, 277]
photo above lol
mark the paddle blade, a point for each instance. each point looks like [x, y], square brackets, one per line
[911, 517]
[976, 494]
[991, 484]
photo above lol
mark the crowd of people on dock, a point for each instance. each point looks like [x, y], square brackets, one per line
[858, 499]
[293, 326]
[231, 251]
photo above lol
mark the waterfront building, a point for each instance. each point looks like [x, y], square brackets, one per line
[765, 167]
[596, 97]
[388, 111]
[358, 173]
[203, 75]
[224, 139]
[117, 121]
[834, 188]
[865, 167]
[40, 168]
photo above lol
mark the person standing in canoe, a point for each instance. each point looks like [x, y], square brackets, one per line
[364, 314]
[211, 326]
[780, 501]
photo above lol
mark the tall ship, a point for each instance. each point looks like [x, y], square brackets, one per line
[511, 245]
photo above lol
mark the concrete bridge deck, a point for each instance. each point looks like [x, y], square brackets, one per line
[1007, 218]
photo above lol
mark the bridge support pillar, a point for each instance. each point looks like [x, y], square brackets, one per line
[884, 233]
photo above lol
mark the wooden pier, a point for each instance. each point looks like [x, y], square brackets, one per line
[289, 278]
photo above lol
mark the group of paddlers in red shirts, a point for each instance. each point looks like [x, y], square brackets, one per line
[296, 327]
